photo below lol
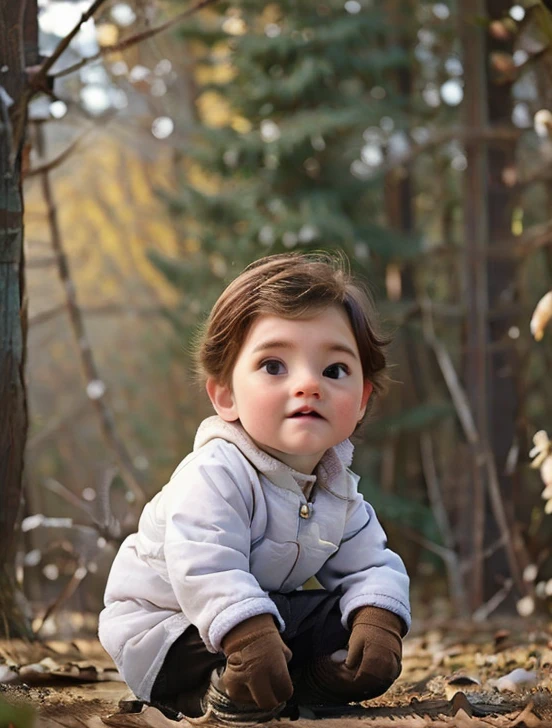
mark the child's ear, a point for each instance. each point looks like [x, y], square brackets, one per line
[366, 392]
[222, 400]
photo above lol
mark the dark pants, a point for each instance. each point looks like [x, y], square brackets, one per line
[313, 628]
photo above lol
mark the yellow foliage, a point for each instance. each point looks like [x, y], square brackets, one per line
[213, 109]
[221, 73]
[241, 124]
[192, 245]
[272, 13]
[517, 221]
[107, 34]
[109, 215]
[198, 178]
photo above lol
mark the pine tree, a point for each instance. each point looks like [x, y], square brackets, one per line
[295, 164]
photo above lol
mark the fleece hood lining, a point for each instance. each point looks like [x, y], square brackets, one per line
[332, 464]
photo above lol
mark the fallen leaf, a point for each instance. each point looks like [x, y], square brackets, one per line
[541, 316]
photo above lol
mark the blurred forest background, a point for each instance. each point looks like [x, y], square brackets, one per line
[415, 136]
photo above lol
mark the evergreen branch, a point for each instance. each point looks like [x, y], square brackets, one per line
[134, 39]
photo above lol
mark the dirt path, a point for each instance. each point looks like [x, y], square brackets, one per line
[457, 676]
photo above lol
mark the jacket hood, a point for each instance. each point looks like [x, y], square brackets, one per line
[333, 462]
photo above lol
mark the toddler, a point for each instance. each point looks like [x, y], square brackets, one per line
[204, 607]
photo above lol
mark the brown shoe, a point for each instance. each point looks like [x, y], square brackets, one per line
[217, 704]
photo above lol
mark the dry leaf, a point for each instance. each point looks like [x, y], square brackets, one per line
[541, 316]
[541, 450]
[546, 471]
[527, 718]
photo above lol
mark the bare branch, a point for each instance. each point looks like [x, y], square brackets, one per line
[485, 610]
[52, 426]
[535, 237]
[450, 376]
[483, 455]
[541, 174]
[445, 554]
[457, 591]
[134, 39]
[108, 309]
[37, 76]
[88, 365]
[493, 134]
[105, 524]
[40, 76]
[57, 161]
[68, 590]
[54, 486]
[41, 262]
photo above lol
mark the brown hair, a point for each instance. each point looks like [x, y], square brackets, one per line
[293, 285]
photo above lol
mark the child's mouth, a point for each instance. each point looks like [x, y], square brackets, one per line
[307, 414]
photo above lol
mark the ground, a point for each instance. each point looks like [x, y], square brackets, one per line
[462, 675]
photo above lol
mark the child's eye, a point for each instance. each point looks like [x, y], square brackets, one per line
[336, 371]
[273, 366]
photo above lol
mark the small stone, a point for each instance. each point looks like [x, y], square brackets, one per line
[516, 680]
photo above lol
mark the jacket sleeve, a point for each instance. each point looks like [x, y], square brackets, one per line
[207, 546]
[366, 571]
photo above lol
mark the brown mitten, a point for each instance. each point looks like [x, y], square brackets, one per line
[375, 646]
[256, 668]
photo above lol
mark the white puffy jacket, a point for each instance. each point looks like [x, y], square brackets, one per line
[233, 524]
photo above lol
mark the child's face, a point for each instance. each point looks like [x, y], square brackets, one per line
[297, 386]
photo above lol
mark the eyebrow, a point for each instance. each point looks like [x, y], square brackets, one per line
[276, 344]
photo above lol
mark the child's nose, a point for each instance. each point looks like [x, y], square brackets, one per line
[307, 385]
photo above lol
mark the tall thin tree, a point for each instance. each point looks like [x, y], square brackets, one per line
[18, 52]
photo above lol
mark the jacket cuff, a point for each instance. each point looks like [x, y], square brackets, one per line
[382, 601]
[236, 613]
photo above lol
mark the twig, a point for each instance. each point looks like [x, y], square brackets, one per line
[57, 161]
[459, 133]
[54, 486]
[106, 524]
[537, 236]
[37, 82]
[40, 76]
[88, 365]
[483, 456]
[483, 612]
[68, 590]
[448, 556]
[52, 426]
[543, 173]
[45, 262]
[107, 309]
[450, 376]
[134, 39]
[456, 587]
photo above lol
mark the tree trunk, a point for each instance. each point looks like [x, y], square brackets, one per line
[503, 272]
[18, 50]
[490, 285]
[476, 244]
